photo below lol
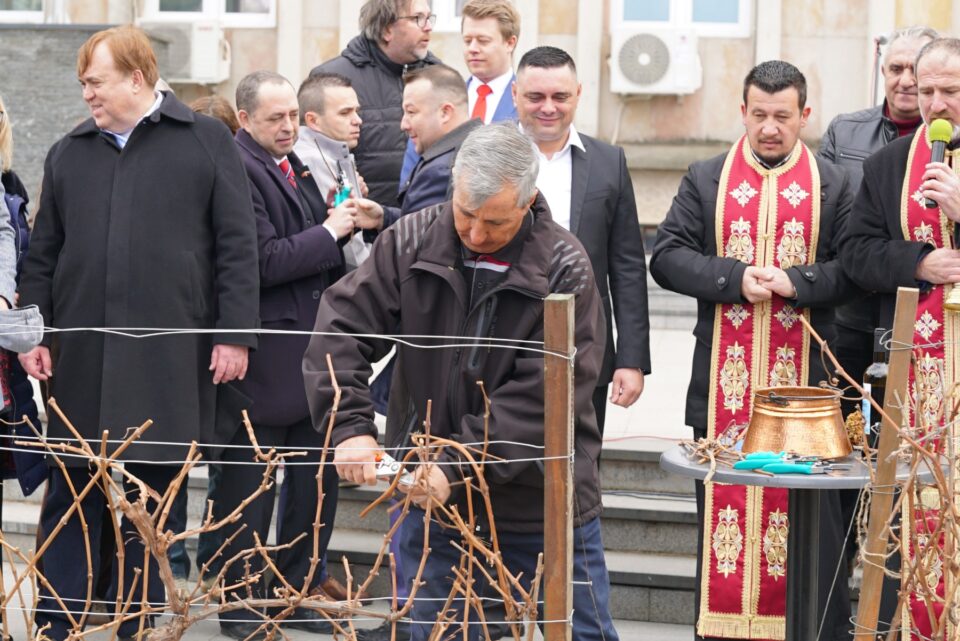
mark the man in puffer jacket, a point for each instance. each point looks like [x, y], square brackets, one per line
[394, 38]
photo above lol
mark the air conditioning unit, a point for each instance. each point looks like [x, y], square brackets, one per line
[661, 61]
[196, 52]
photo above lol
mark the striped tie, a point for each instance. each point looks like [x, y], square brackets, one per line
[288, 172]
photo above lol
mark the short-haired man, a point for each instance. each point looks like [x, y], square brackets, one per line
[330, 119]
[435, 118]
[482, 263]
[300, 257]
[144, 221]
[752, 235]
[490, 30]
[574, 166]
[394, 40]
[893, 240]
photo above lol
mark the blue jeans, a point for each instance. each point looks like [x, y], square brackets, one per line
[591, 613]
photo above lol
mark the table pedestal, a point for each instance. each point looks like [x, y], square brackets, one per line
[803, 565]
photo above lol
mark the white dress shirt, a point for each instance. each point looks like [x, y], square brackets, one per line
[556, 178]
[498, 85]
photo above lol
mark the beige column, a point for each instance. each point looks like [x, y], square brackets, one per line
[349, 21]
[769, 30]
[290, 40]
[881, 20]
[529, 27]
[589, 40]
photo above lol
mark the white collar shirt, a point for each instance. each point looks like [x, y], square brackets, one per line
[555, 179]
[498, 86]
[123, 136]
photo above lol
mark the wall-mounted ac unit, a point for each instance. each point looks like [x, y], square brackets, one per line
[197, 52]
[661, 61]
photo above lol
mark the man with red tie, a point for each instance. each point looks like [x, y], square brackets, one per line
[299, 241]
[490, 32]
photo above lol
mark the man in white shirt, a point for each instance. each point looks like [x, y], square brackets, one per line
[490, 31]
[589, 191]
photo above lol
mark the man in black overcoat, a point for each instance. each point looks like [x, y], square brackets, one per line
[144, 221]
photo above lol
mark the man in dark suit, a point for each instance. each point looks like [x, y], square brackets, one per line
[300, 256]
[588, 188]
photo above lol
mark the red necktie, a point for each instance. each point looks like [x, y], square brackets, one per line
[288, 172]
[480, 109]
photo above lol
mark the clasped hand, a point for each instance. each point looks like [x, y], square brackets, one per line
[761, 283]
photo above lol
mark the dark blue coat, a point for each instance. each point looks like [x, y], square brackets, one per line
[299, 259]
[429, 183]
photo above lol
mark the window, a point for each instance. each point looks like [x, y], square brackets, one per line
[716, 18]
[448, 14]
[21, 10]
[230, 13]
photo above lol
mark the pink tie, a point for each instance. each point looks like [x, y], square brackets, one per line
[288, 172]
[480, 109]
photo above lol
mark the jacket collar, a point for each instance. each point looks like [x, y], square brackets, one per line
[246, 142]
[362, 52]
[451, 140]
[328, 146]
[169, 108]
[441, 247]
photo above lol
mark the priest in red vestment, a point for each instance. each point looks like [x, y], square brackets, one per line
[893, 240]
[752, 235]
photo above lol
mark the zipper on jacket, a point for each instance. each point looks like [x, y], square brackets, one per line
[452, 398]
[852, 156]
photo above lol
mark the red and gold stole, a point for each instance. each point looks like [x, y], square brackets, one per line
[764, 217]
[935, 339]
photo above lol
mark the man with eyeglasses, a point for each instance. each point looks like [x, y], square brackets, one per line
[394, 38]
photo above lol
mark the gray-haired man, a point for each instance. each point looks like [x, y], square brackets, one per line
[479, 265]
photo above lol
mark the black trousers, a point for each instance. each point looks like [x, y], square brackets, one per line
[835, 614]
[239, 480]
[65, 561]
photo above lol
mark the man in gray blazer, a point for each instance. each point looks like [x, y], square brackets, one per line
[588, 189]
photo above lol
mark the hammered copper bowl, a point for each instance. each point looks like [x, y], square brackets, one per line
[800, 420]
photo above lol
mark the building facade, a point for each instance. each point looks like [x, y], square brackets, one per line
[208, 45]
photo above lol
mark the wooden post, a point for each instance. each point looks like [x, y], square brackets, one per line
[558, 324]
[881, 503]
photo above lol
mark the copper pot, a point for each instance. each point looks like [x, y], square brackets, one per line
[801, 420]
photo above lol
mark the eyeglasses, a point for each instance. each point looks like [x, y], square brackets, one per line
[421, 20]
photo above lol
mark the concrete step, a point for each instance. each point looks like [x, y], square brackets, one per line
[638, 469]
[655, 523]
[635, 469]
[644, 586]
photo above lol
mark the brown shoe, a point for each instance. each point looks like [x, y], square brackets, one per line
[335, 591]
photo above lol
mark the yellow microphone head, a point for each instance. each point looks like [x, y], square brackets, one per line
[941, 130]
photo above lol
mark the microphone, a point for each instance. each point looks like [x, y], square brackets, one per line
[941, 131]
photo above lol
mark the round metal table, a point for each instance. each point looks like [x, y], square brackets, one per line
[803, 619]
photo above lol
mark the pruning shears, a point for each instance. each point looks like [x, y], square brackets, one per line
[786, 463]
[387, 468]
